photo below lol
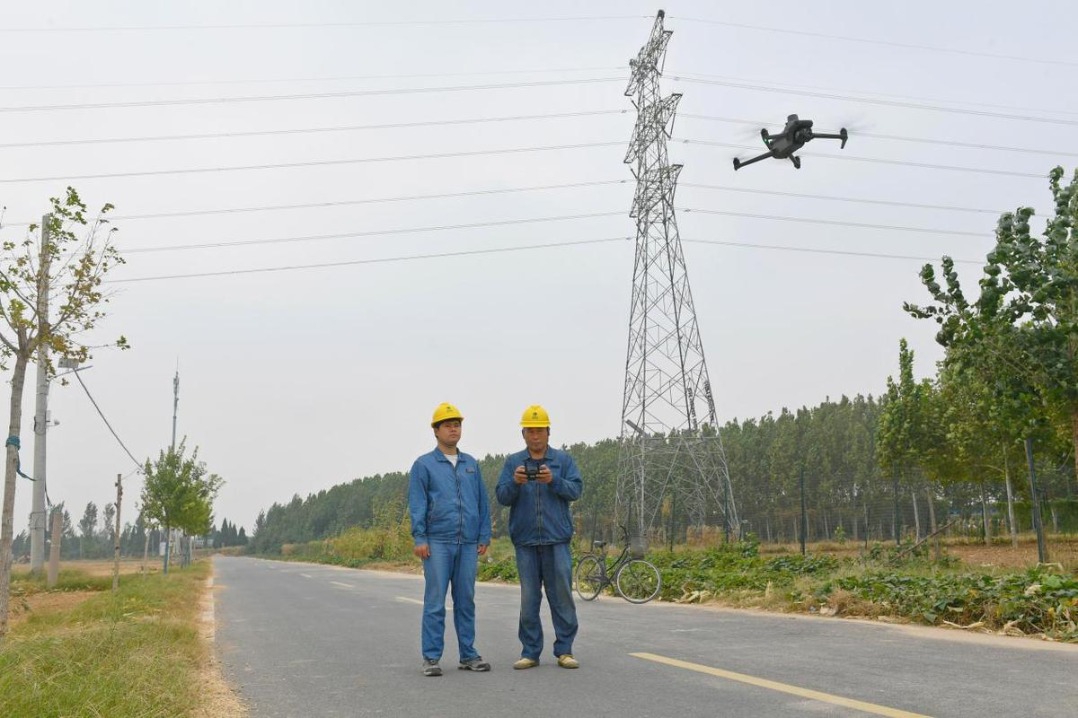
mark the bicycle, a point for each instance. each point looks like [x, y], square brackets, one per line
[634, 579]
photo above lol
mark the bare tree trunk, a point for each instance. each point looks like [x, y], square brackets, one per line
[1010, 500]
[985, 522]
[7, 524]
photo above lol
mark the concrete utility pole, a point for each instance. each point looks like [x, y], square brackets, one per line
[175, 408]
[116, 539]
[41, 411]
[175, 403]
[54, 549]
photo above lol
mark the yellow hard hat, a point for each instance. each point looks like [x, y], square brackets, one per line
[444, 412]
[535, 416]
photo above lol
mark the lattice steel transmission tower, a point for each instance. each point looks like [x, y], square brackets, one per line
[671, 468]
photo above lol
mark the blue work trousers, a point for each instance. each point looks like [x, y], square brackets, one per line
[549, 567]
[456, 564]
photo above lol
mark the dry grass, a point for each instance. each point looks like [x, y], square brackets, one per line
[146, 650]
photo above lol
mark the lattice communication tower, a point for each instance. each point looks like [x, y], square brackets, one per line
[672, 469]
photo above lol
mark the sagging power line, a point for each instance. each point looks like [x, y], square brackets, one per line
[525, 248]
[374, 233]
[310, 163]
[309, 130]
[302, 96]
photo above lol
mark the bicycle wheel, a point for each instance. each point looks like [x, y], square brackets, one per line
[589, 578]
[638, 581]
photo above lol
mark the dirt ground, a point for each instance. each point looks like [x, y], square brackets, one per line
[1024, 556]
[1062, 550]
[45, 602]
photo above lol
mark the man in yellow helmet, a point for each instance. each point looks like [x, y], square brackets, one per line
[450, 514]
[538, 484]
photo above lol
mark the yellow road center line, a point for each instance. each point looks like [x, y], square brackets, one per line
[781, 687]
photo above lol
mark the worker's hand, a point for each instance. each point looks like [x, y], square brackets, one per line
[422, 551]
[482, 549]
[545, 477]
[519, 476]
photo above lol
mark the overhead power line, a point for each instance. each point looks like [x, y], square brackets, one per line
[841, 223]
[372, 233]
[311, 130]
[887, 95]
[507, 190]
[304, 96]
[874, 101]
[308, 25]
[475, 153]
[102, 415]
[384, 260]
[884, 202]
[229, 244]
[347, 202]
[878, 160]
[811, 250]
[870, 41]
[899, 138]
[281, 80]
[311, 163]
[504, 250]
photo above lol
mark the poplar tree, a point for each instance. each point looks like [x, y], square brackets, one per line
[69, 266]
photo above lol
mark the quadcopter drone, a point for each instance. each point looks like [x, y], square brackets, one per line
[792, 138]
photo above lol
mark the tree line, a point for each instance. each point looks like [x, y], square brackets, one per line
[94, 536]
[831, 449]
[954, 449]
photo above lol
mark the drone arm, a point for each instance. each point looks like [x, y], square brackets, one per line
[738, 164]
[842, 135]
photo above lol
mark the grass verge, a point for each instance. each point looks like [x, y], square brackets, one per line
[135, 653]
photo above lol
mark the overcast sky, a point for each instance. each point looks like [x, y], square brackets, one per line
[296, 380]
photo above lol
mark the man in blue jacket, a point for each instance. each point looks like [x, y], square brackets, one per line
[538, 484]
[451, 527]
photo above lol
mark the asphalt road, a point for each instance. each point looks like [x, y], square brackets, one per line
[313, 640]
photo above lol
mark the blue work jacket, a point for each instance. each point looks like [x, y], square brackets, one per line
[448, 504]
[539, 514]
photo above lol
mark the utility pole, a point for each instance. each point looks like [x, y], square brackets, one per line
[670, 442]
[175, 409]
[804, 513]
[175, 403]
[41, 411]
[54, 549]
[116, 539]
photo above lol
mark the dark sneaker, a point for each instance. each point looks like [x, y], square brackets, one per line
[476, 664]
[431, 668]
